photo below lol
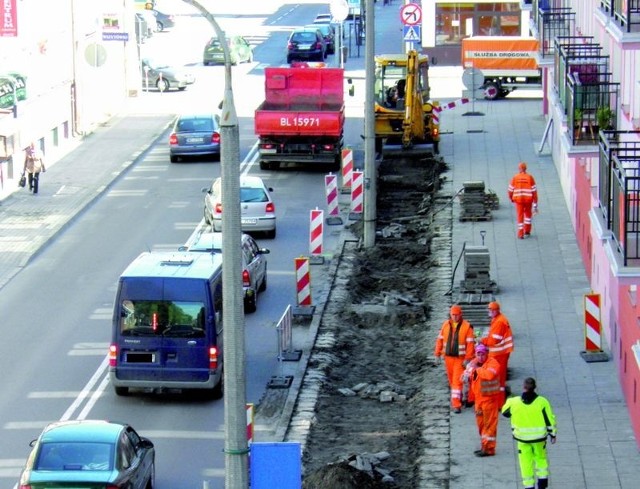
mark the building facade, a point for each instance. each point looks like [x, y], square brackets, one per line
[590, 58]
[65, 66]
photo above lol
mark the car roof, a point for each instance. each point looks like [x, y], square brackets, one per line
[319, 27]
[196, 115]
[82, 430]
[251, 181]
[210, 241]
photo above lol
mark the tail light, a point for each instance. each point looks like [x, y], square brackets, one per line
[290, 46]
[270, 207]
[327, 147]
[318, 45]
[246, 278]
[218, 209]
[113, 355]
[213, 358]
[27, 486]
[173, 139]
[435, 132]
[215, 138]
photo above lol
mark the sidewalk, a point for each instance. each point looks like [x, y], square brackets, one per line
[541, 284]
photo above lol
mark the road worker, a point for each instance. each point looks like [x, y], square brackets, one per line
[483, 372]
[524, 194]
[499, 340]
[455, 344]
[532, 421]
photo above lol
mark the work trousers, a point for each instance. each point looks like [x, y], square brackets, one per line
[503, 360]
[533, 463]
[523, 217]
[487, 410]
[454, 373]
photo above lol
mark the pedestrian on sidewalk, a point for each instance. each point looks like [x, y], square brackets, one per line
[484, 374]
[499, 340]
[455, 344]
[532, 421]
[33, 165]
[524, 194]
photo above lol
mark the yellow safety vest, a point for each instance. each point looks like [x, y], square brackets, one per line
[530, 422]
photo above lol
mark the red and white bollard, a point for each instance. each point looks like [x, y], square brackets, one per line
[316, 231]
[331, 191]
[357, 195]
[250, 410]
[303, 281]
[592, 330]
[347, 170]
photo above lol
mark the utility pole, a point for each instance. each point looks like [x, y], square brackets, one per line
[370, 181]
[235, 445]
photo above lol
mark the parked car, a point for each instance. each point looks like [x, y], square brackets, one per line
[328, 34]
[195, 134]
[257, 210]
[141, 28]
[254, 263]
[164, 21]
[163, 76]
[239, 51]
[89, 454]
[323, 19]
[306, 44]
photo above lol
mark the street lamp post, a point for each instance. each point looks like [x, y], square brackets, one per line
[235, 447]
[370, 188]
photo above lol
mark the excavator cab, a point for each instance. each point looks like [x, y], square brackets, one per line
[402, 106]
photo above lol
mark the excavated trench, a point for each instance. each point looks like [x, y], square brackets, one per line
[381, 404]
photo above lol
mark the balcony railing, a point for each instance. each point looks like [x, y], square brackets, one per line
[552, 23]
[625, 12]
[619, 191]
[592, 105]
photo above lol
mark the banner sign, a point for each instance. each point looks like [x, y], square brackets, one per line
[8, 18]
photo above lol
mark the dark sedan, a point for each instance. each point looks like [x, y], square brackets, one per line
[195, 135]
[90, 454]
[164, 21]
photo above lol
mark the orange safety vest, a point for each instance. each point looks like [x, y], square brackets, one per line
[522, 189]
[486, 379]
[499, 340]
[446, 342]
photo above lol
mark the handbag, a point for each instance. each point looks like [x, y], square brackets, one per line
[23, 181]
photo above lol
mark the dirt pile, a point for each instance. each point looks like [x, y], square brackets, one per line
[377, 329]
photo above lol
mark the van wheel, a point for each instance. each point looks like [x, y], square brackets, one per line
[122, 391]
[218, 391]
[263, 285]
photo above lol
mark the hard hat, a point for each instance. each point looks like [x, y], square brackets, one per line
[480, 348]
[493, 306]
[456, 309]
[522, 166]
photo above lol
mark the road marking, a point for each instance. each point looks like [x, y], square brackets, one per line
[88, 388]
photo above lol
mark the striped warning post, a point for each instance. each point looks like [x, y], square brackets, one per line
[250, 411]
[331, 190]
[592, 336]
[347, 168]
[303, 281]
[357, 192]
[316, 229]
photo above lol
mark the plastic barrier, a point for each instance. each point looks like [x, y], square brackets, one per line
[303, 281]
[347, 169]
[357, 195]
[592, 330]
[331, 191]
[316, 230]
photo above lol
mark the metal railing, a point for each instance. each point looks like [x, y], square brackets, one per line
[619, 191]
[625, 12]
[552, 23]
[592, 101]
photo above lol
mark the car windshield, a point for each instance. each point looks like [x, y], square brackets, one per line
[252, 194]
[195, 125]
[162, 318]
[75, 456]
[303, 37]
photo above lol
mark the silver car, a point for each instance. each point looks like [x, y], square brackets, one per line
[195, 134]
[257, 210]
[254, 263]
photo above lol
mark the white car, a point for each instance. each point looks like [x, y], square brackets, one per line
[254, 263]
[257, 210]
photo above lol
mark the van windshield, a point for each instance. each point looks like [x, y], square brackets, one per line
[162, 318]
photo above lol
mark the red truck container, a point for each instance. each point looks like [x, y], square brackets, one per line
[504, 63]
[302, 117]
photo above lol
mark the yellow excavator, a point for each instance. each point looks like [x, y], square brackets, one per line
[403, 111]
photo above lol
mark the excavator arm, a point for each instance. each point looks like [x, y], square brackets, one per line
[413, 123]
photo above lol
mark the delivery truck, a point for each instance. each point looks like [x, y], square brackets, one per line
[503, 63]
[302, 117]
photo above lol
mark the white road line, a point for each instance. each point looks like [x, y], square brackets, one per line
[94, 398]
[86, 390]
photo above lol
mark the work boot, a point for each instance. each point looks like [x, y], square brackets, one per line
[457, 410]
[543, 483]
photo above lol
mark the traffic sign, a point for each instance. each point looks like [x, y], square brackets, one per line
[339, 10]
[412, 33]
[411, 14]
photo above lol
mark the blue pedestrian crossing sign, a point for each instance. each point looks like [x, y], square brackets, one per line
[412, 33]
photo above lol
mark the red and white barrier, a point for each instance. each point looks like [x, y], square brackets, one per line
[316, 230]
[250, 411]
[331, 191]
[347, 167]
[303, 281]
[357, 192]
[592, 327]
[435, 115]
